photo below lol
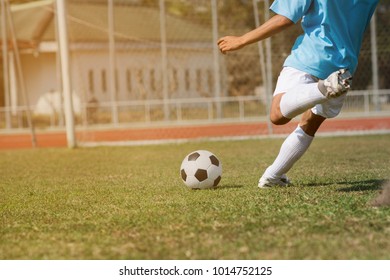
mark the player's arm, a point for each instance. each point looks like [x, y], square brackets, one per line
[271, 27]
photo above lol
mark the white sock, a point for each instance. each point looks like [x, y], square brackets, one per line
[297, 100]
[295, 145]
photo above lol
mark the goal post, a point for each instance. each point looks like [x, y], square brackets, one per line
[65, 70]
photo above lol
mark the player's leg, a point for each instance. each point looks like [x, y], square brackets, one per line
[276, 115]
[298, 142]
[308, 93]
[295, 93]
[292, 149]
[311, 122]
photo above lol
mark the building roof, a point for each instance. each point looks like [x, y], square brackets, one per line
[88, 22]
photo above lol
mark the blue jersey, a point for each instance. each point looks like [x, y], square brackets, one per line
[333, 33]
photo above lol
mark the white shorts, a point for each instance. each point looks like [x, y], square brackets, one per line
[290, 77]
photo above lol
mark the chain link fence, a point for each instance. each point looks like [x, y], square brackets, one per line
[143, 62]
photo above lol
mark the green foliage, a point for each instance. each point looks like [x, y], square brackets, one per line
[130, 203]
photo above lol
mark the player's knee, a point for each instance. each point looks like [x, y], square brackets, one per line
[278, 119]
[276, 115]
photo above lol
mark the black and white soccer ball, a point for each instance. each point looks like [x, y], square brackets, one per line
[201, 170]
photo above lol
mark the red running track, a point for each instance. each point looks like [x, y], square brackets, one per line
[58, 139]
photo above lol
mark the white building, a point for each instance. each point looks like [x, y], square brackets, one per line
[138, 54]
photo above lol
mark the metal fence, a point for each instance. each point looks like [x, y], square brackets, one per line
[156, 61]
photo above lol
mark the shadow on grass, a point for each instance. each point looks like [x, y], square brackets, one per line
[358, 186]
[353, 186]
[229, 187]
[220, 187]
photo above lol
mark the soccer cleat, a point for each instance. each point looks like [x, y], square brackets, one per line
[337, 83]
[265, 182]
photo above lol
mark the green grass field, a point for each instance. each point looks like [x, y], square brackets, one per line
[130, 203]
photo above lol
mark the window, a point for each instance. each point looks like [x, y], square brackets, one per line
[210, 80]
[152, 80]
[104, 81]
[91, 81]
[187, 79]
[128, 81]
[198, 80]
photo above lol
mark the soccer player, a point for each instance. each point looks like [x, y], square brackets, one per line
[316, 75]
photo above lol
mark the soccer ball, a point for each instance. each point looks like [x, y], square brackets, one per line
[201, 170]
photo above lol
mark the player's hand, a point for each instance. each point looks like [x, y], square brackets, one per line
[230, 43]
